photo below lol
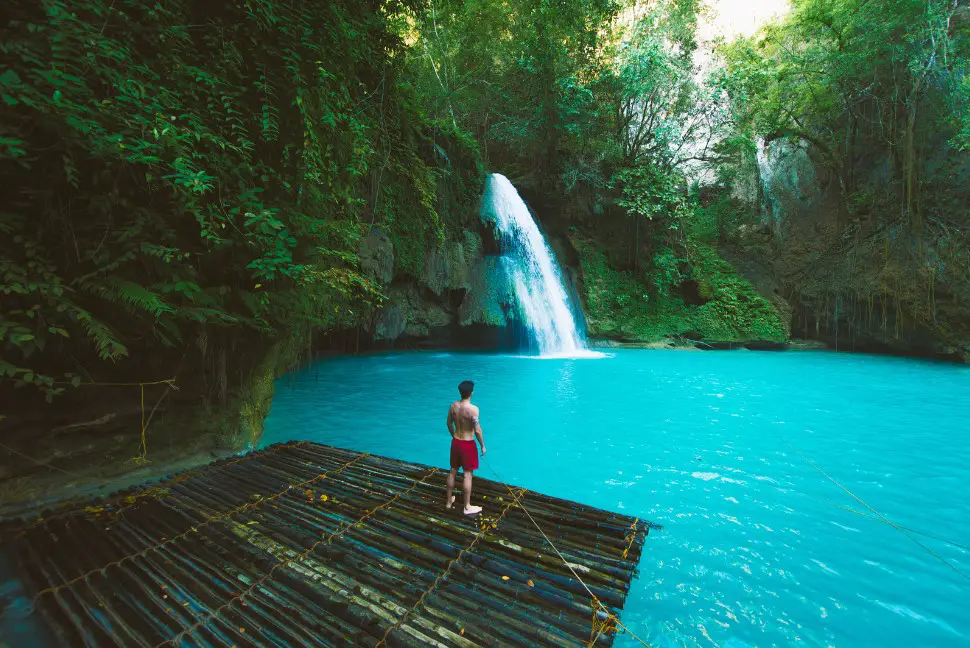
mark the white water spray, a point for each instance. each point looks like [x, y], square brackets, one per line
[533, 272]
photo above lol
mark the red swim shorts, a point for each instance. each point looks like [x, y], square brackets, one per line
[464, 454]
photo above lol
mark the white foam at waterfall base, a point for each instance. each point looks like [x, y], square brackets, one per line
[533, 274]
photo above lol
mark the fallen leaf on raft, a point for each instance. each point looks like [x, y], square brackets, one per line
[530, 583]
[324, 498]
[505, 577]
[242, 629]
[462, 632]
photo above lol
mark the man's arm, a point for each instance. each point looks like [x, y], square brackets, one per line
[451, 421]
[478, 432]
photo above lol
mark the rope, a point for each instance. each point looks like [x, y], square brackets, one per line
[879, 515]
[326, 540]
[910, 529]
[215, 518]
[631, 537]
[143, 456]
[596, 603]
[481, 534]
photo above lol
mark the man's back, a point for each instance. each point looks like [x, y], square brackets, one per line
[464, 415]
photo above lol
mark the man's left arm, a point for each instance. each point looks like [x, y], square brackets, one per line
[450, 422]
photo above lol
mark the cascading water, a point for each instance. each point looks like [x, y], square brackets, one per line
[533, 272]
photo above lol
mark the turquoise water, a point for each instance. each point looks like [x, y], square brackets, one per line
[755, 550]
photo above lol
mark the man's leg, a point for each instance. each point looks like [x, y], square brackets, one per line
[450, 494]
[469, 509]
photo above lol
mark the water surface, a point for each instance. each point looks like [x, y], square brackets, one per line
[756, 549]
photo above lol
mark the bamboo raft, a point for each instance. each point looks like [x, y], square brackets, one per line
[302, 544]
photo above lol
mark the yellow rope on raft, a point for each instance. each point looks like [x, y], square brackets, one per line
[325, 540]
[595, 603]
[451, 563]
[195, 529]
[631, 537]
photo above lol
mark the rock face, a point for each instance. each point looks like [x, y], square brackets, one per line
[461, 299]
[377, 257]
[789, 182]
[854, 275]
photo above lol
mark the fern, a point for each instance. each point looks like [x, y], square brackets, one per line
[105, 342]
[132, 296]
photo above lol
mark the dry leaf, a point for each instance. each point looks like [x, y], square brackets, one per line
[530, 583]
[462, 632]
[505, 577]
[324, 498]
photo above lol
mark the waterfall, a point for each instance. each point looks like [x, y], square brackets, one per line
[534, 275]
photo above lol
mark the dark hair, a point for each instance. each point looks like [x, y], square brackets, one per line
[465, 388]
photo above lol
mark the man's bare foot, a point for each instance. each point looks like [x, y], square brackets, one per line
[451, 501]
[472, 510]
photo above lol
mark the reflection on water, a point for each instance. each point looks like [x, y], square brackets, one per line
[758, 547]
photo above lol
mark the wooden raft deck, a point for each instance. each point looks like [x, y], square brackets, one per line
[302, 544]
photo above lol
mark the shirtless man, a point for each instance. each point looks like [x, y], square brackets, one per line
[464, 427]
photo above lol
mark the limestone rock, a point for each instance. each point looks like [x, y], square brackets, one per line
[408, 312]
[789, 181]
[390, 323]
[377, 257]
[449, 267]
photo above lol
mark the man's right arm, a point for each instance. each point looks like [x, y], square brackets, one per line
[450, 422]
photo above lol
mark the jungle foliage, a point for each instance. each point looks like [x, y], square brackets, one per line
[179, 172]
[182, 173]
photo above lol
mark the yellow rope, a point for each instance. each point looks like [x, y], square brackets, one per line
[326, 540]
[195, 529]
[595, 602]
[881, 517]
[143, 457]
[631, 538]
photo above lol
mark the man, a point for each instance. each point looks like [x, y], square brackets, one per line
[463, 426]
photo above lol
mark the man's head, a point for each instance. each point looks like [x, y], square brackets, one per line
[465, 389]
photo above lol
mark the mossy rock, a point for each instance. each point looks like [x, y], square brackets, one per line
[489, 297]
[621, 306]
